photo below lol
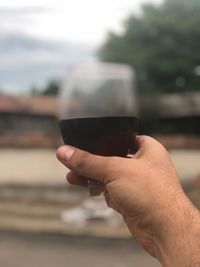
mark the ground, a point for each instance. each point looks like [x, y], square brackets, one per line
[22, 250]
[33, 193]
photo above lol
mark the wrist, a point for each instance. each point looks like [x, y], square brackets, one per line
[177, 234]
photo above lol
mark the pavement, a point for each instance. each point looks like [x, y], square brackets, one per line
[22, 250]
[31, 231]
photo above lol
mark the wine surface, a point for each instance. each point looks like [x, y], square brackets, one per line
[106, 136]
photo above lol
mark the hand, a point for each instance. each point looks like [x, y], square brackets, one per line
[145, 190]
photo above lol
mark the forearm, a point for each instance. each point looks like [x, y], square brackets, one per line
[178, 238]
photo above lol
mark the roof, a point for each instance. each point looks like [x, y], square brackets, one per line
[171, 105]
[9, 104]
[40, 105]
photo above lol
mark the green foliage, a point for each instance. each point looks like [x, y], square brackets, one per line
[162, 45]
[52, 88]
[35, 91]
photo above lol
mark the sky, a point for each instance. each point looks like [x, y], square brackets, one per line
[78, 21]
[40, 38]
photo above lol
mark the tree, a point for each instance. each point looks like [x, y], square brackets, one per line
[35, 91]
[162, 45]
[52, 88]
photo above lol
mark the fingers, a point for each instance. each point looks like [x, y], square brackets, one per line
[85, 164]
[100, 168]
[95, 187]
[75, 179]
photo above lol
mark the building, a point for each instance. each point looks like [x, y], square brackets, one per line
[172, 114]
[28, 120]
[182, 111]
[33, 120]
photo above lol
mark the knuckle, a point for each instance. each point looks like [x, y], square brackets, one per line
[162, 150]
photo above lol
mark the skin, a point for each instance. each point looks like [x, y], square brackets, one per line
[146, 191]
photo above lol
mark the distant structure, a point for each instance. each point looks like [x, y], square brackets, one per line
[181, 110]
[28, 120]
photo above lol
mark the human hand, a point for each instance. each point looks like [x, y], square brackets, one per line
[145, 190]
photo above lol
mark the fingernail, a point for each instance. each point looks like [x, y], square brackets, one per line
[69, 152]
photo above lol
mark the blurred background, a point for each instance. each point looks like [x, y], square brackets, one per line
[44, 221]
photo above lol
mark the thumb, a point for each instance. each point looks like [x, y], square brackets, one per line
[84, 163]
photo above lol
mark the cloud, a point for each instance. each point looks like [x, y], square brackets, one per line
[26, 61]
[15, 18]
[5, 11]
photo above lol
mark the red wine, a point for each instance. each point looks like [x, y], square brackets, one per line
[106, 136]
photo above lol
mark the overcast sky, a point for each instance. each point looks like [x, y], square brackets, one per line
[85, 21]
[40, 39]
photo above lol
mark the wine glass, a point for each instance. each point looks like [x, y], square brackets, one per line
[97, 111]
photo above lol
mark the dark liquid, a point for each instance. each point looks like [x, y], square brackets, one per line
[106, 136]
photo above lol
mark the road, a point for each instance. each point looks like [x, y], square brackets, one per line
[22, 250]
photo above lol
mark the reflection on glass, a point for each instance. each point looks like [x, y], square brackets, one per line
[98, 108]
